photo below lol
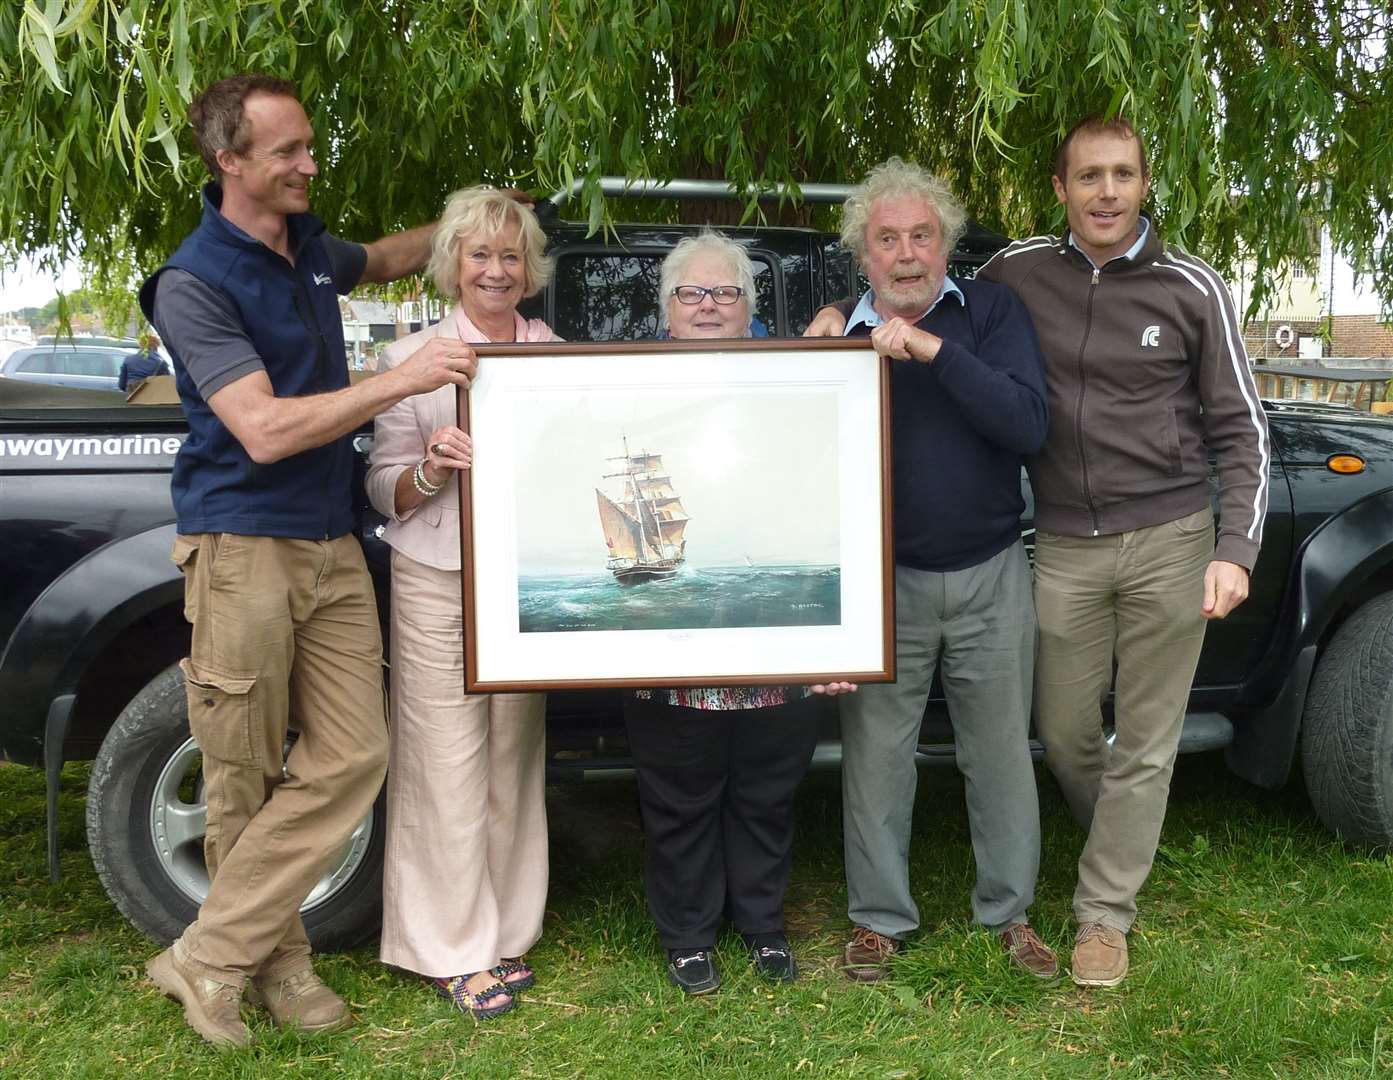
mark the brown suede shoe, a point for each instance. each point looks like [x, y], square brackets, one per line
[212, 1008]
[300, 1001]
[868, 954]
[1100, 955]
[1027, 951]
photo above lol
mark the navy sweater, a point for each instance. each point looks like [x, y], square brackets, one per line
[963, 426]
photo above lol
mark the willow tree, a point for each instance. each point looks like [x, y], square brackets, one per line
[1266, 118]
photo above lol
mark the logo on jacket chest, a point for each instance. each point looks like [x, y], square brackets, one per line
[323, 279]
[1151, 337]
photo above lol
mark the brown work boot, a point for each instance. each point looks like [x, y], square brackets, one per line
[212, 1008]
[300, 1001]
[1027, 951]
[1100, 955]
[868, 954]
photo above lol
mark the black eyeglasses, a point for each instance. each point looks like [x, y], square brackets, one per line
[694, 294]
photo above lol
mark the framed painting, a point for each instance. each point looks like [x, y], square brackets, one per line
[677, 513]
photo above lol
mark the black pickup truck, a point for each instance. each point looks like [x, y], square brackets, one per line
[92, 626]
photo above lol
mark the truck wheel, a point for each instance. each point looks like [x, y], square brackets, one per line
[145, 824]
[1347, 733]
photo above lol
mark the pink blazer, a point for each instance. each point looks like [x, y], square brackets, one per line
[430, 532]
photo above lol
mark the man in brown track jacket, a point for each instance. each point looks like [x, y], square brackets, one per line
[1146, 373]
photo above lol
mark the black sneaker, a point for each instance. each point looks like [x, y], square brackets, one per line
[773, 958]
[694, 972]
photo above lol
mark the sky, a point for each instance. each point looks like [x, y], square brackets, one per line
[26, 285]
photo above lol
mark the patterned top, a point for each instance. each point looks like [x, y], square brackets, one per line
[726, 697]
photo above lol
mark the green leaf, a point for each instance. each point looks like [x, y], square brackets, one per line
[165, 137]
[179, 40]
[596, 204]
[38, 33]
[77, 18]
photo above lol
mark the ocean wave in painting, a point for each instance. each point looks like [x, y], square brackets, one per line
[707, 598]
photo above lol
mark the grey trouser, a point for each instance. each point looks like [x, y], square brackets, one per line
[1133, 597]
[980, 624]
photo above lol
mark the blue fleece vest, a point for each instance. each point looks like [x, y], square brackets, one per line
[291, 314]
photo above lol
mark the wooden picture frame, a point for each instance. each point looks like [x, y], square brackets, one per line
[677, 513]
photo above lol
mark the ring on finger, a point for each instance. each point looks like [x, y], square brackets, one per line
[439, 449]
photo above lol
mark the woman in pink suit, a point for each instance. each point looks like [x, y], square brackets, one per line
[465, 881]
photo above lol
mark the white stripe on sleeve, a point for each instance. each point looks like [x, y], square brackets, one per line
[1238, 361]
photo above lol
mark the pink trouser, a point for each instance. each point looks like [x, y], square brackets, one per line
[466, 877]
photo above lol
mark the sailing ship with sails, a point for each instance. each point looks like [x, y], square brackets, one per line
[643, 520]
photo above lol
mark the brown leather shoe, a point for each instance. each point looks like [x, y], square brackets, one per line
[1027, 951]
[212, 1008]
[300, 1001]
[868, 954]
[1100, 955]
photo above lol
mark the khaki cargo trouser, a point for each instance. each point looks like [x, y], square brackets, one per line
[1133, 597]
[285, 634]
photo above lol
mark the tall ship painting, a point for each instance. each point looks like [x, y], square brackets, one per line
[643, 520]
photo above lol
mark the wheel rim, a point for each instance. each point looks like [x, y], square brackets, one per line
[178, 820]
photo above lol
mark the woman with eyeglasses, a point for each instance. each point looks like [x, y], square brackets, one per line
[717, 768]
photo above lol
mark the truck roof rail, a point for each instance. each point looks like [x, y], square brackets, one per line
[977, 240]
[648, 188]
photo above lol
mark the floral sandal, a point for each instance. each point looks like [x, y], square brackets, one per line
[514, 973]
[493, 1000]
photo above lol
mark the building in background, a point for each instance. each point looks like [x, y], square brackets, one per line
[1332, 313]
[14, 335]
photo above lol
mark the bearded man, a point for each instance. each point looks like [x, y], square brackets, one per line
[969, 405]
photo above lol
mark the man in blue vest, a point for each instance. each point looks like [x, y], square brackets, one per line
[285, 627]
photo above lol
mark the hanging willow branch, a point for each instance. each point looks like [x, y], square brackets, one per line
[1266, 118]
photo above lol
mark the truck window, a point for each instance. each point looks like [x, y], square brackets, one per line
[71, 362]
[614, 297]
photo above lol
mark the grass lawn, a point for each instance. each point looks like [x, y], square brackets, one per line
[1263, 949]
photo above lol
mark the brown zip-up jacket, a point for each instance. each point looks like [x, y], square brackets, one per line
[1146, 372]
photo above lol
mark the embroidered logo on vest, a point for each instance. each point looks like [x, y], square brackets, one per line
[1151, 337]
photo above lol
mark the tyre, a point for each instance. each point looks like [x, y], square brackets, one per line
[1347, 731]
[145, 824]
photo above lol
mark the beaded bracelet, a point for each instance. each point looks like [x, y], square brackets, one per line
[424, 486]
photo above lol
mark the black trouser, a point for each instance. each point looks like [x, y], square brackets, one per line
[716, 788]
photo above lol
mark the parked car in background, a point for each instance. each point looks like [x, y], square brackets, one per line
[68, 363]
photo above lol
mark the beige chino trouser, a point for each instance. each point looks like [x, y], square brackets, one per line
[285, 633]
[1133, 598]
